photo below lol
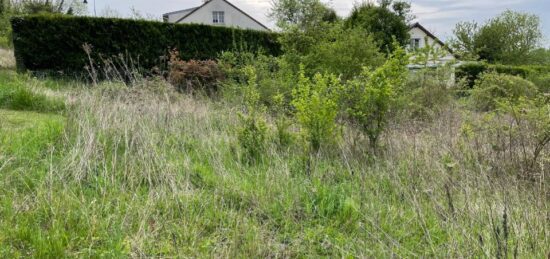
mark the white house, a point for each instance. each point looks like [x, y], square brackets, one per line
[216, 12]
[421, 37]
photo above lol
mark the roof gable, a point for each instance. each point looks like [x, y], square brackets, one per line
[429, 34]
[230, 4]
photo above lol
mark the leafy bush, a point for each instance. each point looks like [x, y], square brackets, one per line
[518, 132]
[194, 75]
[426, 93]
[316, 108]
[491, 87]
[369, 98]
[472, 71]
[530, 130]
[542, 81]
[252, 135]
[53, 42]
[343, 52]
[273, 75]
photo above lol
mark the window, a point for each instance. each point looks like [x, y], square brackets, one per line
[415, 43]
[218, 17]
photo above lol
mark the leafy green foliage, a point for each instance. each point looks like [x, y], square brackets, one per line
[385, 24]
[370, 97]
[471, 71]
[330, 48]
[427, 93]
[55, 43]
[273, 75]
[492, 87]
[343, 52]
[316, 105]
[302, 14]
[531, 128]
[509, 38]
[252, 135]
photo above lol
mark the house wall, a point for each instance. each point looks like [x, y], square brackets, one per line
[232, 16]
[417, 33]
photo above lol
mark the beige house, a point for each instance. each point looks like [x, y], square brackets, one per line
[421, 37]
[216, 12]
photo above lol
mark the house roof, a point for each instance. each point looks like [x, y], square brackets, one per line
[181, 11]
[207, 2]
[436, 39]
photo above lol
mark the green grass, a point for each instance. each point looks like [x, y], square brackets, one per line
[28, 130]
[145, 172]
[4, 42]
[19, 92]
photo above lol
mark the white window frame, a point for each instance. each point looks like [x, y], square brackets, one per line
[218, 17]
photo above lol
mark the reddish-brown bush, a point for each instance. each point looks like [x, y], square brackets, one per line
[194, 75]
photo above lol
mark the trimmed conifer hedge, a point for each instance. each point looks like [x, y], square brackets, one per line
[55, 42]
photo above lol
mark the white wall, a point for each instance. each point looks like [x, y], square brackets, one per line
[232, 16]
[417, 33]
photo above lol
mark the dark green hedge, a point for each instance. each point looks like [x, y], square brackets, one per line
[471, 71]
[54, 42]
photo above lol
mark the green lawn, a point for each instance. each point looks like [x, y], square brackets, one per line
[26, 134]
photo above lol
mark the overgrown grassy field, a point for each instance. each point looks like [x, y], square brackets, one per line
[112, 171]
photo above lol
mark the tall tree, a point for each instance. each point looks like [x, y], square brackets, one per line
[509, 38]
[303, 14]
[386, 21]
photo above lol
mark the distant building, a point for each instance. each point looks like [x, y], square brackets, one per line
[421, 37]
[216, 12]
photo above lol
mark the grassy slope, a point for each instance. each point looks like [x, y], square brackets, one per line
[142, 173]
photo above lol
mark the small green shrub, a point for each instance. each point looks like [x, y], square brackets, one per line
[316, 104]
[252, 134]
[531, 129]
[370, 97]
[282, 123]
[426, 93]
[273, 75]
[491, 87]
[541, 80]
[470, 72]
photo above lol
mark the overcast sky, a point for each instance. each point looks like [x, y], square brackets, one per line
[439, 16]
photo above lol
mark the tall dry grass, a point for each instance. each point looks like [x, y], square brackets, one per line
[143, 171]
[7, 60]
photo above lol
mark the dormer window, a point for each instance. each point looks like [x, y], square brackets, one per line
[218, 17]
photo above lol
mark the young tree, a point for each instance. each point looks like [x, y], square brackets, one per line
[316, 108]
[386, 22]
[370, 97]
